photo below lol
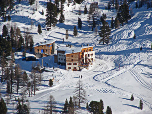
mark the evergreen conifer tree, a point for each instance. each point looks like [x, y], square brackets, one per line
[66, 105]
[116, 5]
[50, 82]
[31, 43]
[104, 33]
[5, 31]
[85, 10]
[79, 1]
[42, 12]
[108, 111]
[18, 32]
[104, 16]
[17, 76]
[51, 14]
[116, 23]
[12, 36]
[8, 90]
[123, 14]
[134, 36]
[94, 23]
[75, 32]
[31, 2]
[4, 18]
[96, 107]
[3, 107]
[141, 104]
[11, 77]
[67, 35]
[62, 19]
[3, 65]
[102, 105]
[79, 23]
[39, 29]
[136, 5]
[71, 106]
[22, 108]
[112, 23]
[132, 97]
[20, 42]
[9, 18]
[109, 5]
[57, 5]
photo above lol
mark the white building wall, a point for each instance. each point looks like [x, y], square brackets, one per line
[72, 66]
[90, 55]
[61, 58]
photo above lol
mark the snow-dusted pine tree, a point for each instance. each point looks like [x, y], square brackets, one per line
[75, 32]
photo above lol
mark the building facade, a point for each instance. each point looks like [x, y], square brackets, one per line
[76, 58]
[44, 48]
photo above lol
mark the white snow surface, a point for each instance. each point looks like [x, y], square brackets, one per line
[120, 68]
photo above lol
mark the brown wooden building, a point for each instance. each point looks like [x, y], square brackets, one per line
[76, 58]
[44, 48]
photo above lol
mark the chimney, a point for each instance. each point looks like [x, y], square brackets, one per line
[81, 45]
[42, 62]
[87, 44]
[70, 46]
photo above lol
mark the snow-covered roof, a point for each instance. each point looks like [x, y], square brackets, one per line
[44, 43]
[71, 49]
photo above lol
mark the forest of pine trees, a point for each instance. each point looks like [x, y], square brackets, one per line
[51, 14]
[12, 40]
[96, 107]
[3, 107]
[104, 33]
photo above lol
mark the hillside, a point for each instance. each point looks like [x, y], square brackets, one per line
[120, 68]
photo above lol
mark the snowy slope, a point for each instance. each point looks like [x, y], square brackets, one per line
[120, 68]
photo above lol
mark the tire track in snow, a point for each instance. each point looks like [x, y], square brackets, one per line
[109, 76]
[139, 79]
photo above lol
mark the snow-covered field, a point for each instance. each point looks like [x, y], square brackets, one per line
[120, 68]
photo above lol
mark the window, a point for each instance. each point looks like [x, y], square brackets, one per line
[71, 55]
[38, 50]
[69, 67]
[74, 63]
[64, 59]
[46, 50]
[71, 59]
[75, 68]
[59, 58]
[41, 50]
[69, 63]
[88, 55]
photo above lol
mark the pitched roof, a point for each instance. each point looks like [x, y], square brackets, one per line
[44, 43]
[71, 49]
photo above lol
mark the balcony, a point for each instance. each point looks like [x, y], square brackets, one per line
[83, 65]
